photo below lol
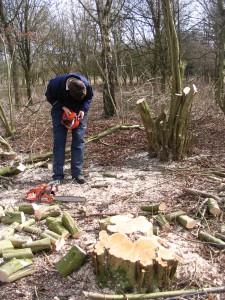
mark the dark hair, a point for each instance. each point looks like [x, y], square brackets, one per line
[77, 89]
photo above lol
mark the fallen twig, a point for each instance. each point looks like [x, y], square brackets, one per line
[90, 295]
[203, 194]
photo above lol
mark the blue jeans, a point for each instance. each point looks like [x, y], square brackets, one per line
[59, 146]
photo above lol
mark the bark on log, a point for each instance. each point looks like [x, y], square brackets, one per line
[111, 175]
[47, 211]
[144, 264]
[21, 274]
[27, 208]
[162, 222]
[5, 244]
[38, 245]
[13, 216]
[153, 208]
[12, 170]
[213, 207]
[187, 222]
[204, 236]
[220, 236]
[71, 261]
[11, 268]
[158, 295]
[26, 223]
[9, 231]
[173, 216]
[2, 212]
[69, 223]
[8, 254]
[18, 241]
[57, 227]
[32, 229]
[150, 127]
[54, 237]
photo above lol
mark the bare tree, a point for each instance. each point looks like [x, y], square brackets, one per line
[31, 32]
[170, 136]
[220, 69]
[105, 14]
[6, 23]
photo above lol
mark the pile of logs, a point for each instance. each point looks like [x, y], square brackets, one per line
[128, 250]
[165, 220]
[17, 248]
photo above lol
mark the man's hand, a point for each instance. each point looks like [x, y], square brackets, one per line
[67, 111]
[81, 115]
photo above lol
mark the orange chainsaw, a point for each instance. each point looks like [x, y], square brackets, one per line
[47, 193]
[71, 121]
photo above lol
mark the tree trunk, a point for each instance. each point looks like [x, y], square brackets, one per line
[220, 68]
[169, 136]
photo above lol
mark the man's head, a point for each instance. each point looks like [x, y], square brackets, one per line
[77, 89]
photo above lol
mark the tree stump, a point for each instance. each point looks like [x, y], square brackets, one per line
[129, 225]
[136, 260]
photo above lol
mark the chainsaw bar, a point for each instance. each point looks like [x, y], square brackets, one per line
[69, 199]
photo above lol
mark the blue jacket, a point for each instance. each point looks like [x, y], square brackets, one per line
[57, 94]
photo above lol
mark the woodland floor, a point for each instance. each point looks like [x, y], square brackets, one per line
[141, 180]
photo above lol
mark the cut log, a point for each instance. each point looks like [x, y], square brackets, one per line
[103, 223]
[71, 261]
[174, 215]
[111, 175]
[27, 208]
[12, 170]
[143, 265]
[5, 244]
[213, 207]
[57, 227]
[11, 268]
[18, 241]
[26, 223]
[9, 231]
[204, 236]
[129, 225]
[13, 216]
[69, 223]
[223, 229]
[54, 237]
[38, 245]
[162, 222]
[220, 236]
[8, 254]
[21, 273]
[2, 212]
[153, 208]
[32, 229]
[47, 211]
[187, 222]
